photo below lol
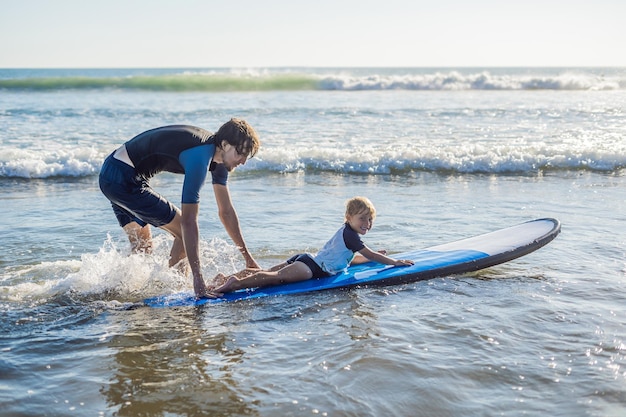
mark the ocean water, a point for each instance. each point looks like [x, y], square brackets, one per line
[442, 153]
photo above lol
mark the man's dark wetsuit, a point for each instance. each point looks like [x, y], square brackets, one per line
[179, 149]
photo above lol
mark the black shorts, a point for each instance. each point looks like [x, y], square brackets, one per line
[131, 196]
[307, 259]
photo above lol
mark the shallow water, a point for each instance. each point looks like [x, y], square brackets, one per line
[541, 335]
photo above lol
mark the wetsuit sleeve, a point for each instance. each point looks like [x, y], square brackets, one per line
[219, 174]
[352, 239]
[195, 161]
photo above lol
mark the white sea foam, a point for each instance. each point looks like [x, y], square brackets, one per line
[264, 79]
[114, 273]
[484, 80]
[473, 158]
[34, 163]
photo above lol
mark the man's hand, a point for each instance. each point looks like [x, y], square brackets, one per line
[199, 287]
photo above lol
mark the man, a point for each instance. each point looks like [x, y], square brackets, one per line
[181, 149]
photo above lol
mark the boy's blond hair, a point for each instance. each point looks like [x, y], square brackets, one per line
[358, 205]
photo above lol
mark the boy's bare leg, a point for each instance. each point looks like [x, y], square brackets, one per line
[297, 271]
[220, 279]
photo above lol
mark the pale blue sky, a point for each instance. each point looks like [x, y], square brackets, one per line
[262, 33]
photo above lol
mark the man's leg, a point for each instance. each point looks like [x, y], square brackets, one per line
[140, 237]
[177, 253]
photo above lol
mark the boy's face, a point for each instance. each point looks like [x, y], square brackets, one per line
[361, 222]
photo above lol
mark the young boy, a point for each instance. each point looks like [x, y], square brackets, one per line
[339, 252]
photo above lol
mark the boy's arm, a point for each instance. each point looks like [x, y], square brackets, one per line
[360, 259]
[382, 258]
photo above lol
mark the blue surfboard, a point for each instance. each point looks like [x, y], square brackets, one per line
[466, 255]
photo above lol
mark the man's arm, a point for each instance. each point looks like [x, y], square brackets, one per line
[191, 241]
[229, 219]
